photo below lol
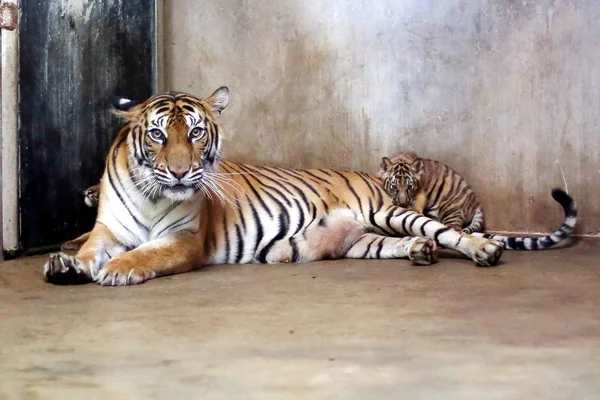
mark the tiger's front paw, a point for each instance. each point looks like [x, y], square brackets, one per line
[121, 272]
[487, 252]
[62, 269]
[423, 251]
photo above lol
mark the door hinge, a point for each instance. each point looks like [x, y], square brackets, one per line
[9, 16]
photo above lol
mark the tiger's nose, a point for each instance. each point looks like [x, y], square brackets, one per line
[178, 172]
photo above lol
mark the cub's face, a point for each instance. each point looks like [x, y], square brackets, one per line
[175, 144]
[400, 180]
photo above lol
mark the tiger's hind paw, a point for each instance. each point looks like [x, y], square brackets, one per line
[488, 253]
[423, 251]
[62, 269]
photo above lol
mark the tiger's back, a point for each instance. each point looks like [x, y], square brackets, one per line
[258, 207]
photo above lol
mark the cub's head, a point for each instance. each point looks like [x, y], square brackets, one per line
[174, 142]
[400, 177]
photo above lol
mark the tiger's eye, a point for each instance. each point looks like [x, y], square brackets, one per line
[197, 133]
[156, 134]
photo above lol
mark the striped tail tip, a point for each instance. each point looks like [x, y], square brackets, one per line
[540, 243]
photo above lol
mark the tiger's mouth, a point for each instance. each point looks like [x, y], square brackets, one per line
[179, 187]
[179, 191]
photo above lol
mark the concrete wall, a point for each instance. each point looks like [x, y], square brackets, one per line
[505, 92]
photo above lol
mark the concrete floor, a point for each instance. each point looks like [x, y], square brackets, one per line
[528, 329]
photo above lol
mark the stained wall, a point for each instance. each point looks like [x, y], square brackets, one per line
[505, 92]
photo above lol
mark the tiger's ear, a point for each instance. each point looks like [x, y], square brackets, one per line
[219, 100]
[417, 165]
[384, 166]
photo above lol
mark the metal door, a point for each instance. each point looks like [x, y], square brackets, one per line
[74, 55]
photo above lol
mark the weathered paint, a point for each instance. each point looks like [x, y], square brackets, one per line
[505, 92]
[74, 54]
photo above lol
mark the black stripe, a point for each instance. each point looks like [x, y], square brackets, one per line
[226, 232]
[440, 189]
[534, 244]
[241, 214]
[279, 192]
[404, 220]
[317, 178]
[369, 247]
[458, 241]
[262, 257]
[184, 220]
[438, 233]
[350, 188]
[117, 191]
[423, 228]
[258, 224]
[301, 219]
[412, 223]
[296, 176]
[379, 247]
[173, 206]
[324, 171]
[260, 200]
[366, 181]
[294, 249]
[240, 244]
[390, 232]
[364, 254]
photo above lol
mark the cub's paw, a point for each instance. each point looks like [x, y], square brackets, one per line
[487, 252]
[423, 251]
[62, 269]
[120, 273]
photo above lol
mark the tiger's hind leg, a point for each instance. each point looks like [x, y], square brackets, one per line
[330, 238]
[421, 251]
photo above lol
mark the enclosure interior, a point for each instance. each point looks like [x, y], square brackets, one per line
[505, 92]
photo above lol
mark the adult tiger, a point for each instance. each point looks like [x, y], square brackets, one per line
[168, 206]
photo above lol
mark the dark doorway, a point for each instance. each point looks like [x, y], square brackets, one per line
[74, 55]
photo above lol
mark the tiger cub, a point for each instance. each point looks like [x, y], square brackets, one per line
[91, 198]
[433, 189]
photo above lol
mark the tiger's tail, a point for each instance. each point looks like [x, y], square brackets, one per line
[540, 243]
[476, 224]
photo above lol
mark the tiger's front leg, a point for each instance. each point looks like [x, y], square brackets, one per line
[99, 247]
[173, 254]
[484, 252]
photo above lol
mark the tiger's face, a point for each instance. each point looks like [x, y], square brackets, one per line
[174, 143]
[401, 180]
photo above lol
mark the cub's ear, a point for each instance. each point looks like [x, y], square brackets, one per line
[417, 165]
[219, 100]
[384, 166]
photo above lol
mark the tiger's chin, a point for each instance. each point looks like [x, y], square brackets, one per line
[179, 193]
